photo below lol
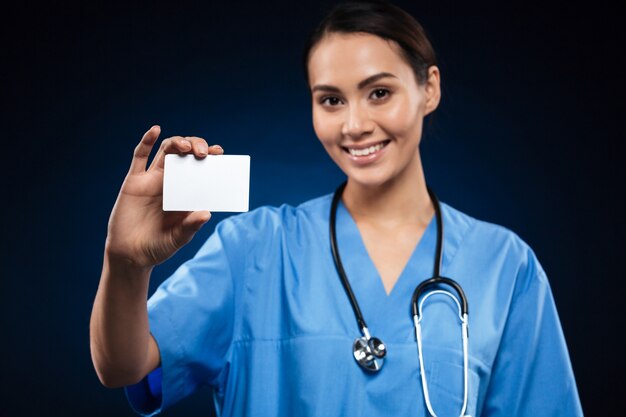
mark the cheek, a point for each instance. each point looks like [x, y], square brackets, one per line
[402, 118]
[325, 127]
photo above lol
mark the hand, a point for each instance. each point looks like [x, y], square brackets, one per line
[140, 233]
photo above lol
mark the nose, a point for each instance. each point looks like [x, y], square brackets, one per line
[357, 122]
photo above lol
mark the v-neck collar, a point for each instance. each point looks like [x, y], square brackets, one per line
[384, 314]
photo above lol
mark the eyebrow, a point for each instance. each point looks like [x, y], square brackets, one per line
[361, 85]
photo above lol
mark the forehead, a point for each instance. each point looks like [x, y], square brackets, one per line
[350, 57]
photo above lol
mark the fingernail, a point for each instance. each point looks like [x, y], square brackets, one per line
[203, 150]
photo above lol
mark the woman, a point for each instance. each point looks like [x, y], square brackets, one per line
[260, 313]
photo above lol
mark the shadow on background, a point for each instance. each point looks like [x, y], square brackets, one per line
[529, 135]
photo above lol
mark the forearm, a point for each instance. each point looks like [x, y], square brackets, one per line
[119, 329]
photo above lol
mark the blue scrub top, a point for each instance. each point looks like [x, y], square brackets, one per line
[260, 315]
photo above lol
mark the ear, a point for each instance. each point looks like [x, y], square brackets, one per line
[432, 89]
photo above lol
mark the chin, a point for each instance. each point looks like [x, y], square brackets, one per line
[369, 178]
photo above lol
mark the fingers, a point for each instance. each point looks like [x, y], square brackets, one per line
[216, 150]
[190, 225]
[199, 145]
[196, 220]
[202, 149]
[184, 145]
[175, 144]
[142, 150]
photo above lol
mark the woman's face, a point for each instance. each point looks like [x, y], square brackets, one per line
[367, 106]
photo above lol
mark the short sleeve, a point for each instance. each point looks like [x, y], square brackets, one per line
[191, 317]
[532, 373]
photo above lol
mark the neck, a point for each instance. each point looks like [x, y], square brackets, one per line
[402, 200]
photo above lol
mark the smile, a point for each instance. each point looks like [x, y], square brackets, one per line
[366, 151]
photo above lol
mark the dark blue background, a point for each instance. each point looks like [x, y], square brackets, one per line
[529, 135]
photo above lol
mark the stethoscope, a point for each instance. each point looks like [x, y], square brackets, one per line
[370, 351]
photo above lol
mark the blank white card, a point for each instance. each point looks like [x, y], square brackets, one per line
[214, 183]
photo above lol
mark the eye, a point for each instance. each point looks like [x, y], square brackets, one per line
[380, 94]
[330, 101]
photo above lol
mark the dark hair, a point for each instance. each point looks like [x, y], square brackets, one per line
[381, 19]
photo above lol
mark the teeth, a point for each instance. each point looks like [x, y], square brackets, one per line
[366, 151]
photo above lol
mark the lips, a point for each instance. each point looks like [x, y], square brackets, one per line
[363, 150]
[367, 153]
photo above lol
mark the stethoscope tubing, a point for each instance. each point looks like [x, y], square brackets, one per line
[339, 265]
[437, 278]
[421, 288]
[361, 350]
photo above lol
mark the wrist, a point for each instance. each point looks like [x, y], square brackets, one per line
[124, 268]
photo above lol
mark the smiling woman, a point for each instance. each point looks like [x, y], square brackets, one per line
[264, 313]
[368, 110]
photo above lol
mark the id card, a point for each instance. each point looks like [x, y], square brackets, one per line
[214, 183]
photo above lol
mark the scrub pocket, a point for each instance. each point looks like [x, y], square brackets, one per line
[446, 389]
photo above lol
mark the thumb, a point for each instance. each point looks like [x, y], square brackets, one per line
[190, 225]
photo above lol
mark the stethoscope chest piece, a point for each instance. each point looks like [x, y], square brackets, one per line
[369, 353]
